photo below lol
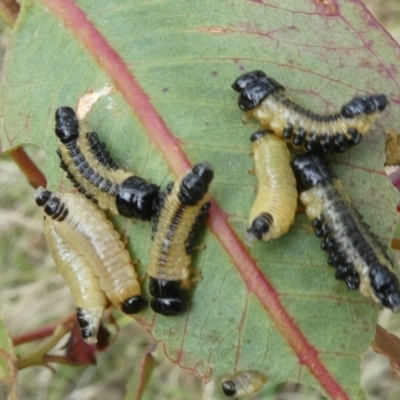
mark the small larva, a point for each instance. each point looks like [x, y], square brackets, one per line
[356, 253]
[86, 231]
[78, 275]
[178, 220]
[243, 383]
[265, 99]
[274, 209]
[94, 173]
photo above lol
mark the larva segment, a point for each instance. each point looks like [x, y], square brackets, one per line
[274, 209]
[265, 99]
[88, 297]
[357, 254]
[95, 174]
[182, 210]
[243, 383]
[88, 232]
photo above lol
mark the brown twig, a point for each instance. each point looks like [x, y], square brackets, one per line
[9, 10]
[44, 331]
[28, 167]
[38, 355]
[395, 244]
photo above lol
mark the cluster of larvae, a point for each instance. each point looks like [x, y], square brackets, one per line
[87, 249]
[359, 258]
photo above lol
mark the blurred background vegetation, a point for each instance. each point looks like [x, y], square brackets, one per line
[33, 294]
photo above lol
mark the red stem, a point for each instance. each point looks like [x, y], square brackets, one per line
[42, 332]
[9, 10]
[28, 167]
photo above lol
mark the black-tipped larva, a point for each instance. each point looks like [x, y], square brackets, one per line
[356, 253]
[243, 383]
[87, 232]
[95, 174]
[274, 209]
[265, 99]
[88, 297]
[181, 214]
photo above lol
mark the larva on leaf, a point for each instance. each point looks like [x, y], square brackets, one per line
[357, 254]
[88, 297]
[243, 383]
[265, 99]
[87, 232]
[179, 218]
[95, 174]
[274, 209]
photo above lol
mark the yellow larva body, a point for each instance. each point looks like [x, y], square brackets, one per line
[360, 259]
[78, 275]
[94, 173]
[243, 383]
[274, 113]
[181, 212]
[168, 257]
[264, 99]
[88, 232]
[104, 192]
[274, 209]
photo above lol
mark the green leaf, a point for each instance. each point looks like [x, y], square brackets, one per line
[275, 307]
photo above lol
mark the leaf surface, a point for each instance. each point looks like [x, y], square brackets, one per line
[275, 307]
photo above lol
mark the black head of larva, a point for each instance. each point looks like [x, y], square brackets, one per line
[67, 124]
[364, 105]
[255, 93]
[386, 286]
[260, 134]
[195, 184]
[260, 226]
[168, 297]
[136, 198]
[133, 305]
[52, 205]
[311, 170]
[229, 388]
[168, 307]
[41, 196]
[248, 78]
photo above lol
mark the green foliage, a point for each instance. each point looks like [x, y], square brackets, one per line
[276, 309]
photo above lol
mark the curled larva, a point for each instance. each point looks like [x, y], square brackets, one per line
[243, 383]
[88, 297]
[265, 99]
[274, 209]
[181, 213]
[86, 231]
[94, 173]
[356, 253]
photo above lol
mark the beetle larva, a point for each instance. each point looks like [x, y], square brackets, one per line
[356, 253]
[243, 383]
[265, 99]
[274, 209]
[91, 169]
[78, 275]
[87, 231]
[181, 213]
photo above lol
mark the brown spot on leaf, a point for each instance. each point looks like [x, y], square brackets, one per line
[327, 7]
